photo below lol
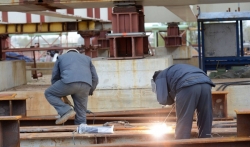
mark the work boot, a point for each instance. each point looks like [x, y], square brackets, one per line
[65, 117]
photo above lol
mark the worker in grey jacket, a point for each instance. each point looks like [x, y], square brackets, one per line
[75, 75]
[190, 89]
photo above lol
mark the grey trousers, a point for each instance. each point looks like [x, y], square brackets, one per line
[189, 99]
[79, 91]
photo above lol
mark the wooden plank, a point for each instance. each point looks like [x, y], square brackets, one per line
[12, 98]
[10, 117]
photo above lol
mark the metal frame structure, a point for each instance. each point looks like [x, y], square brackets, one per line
[211, 63]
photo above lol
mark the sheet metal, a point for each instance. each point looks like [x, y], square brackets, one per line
[12, 106]
[243, 119]
[9, 131]
[220, 16]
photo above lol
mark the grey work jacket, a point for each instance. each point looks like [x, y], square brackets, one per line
[171, 80]
[74, 67]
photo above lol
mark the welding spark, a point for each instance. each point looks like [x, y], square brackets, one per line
[159, 129]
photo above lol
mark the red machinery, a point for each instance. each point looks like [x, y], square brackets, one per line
[128, 40]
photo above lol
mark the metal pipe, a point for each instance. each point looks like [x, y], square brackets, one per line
[203, 47]
[133, 46]
[163, 28]
[237, 39]
[199, 44]
[241, 39]
[134, 112]
[126, 34]
[35, 74]
[115, 48]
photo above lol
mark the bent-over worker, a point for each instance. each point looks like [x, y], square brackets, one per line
[190, 88]
[73, 74]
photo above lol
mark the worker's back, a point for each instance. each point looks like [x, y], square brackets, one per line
[176, 77]
[75, 67]
[183, 75]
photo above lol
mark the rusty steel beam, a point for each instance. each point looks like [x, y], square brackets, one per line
[47, 27]
[45, 118]
[9, 131]
[118, 137]
[208, 142]
[37, 49]
[243, 125]
[222, 128]
[50, 120]
[133, 112]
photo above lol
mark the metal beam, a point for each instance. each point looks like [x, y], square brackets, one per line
[223, 16]
[183, 12]
[30, 28]
[36, 49]
[67, 16]
[207, 142]
[34, 5]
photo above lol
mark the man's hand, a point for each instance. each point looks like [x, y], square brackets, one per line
[91, 92]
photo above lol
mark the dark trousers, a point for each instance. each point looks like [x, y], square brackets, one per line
[189, 99]
[79, 92]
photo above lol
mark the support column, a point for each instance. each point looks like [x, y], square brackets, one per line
[87, 46]
[129, 39]
[89, 49]
[3, 45]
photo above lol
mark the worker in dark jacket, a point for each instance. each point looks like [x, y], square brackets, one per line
[190, 88]
[73, 74]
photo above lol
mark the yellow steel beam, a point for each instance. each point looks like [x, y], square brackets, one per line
[47, 27]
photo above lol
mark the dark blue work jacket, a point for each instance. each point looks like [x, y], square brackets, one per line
[171, 80]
